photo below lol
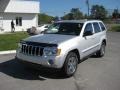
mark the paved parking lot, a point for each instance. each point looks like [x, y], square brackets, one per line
[92, 74]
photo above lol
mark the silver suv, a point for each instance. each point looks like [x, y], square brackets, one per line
[64, 44]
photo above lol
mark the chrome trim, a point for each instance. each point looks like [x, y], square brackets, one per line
[31, 50]
[39, 52]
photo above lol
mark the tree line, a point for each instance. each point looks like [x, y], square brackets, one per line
[96, 12]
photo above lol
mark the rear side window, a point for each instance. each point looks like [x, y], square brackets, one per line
[96, 27]
[102, 26]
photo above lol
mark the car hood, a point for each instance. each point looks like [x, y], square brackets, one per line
[49, 38]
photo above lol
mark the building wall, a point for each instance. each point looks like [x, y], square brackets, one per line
[28, 20]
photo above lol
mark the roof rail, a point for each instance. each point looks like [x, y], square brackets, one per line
[82, 20]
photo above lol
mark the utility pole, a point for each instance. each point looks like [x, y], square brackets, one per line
[88, 6]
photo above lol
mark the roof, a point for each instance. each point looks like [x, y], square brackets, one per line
[20, 6]
[78, 21]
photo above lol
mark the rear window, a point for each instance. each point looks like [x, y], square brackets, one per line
[96, 27]
[102, 26]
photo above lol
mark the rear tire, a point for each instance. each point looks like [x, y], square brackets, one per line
[70, 65]
[101, 52]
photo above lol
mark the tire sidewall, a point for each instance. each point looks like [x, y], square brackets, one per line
[102, 49]
[70, 54]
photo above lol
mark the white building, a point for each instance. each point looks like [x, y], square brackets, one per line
[23, 12]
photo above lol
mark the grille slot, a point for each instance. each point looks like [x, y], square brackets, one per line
[32, 50]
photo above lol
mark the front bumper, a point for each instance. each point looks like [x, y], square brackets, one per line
[47, 61]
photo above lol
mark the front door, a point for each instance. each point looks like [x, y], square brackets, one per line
[87, 41]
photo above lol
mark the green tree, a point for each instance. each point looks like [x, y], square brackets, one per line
[115, 14]
[86, 16]
[98, 12]
[74, 14]
[44, 18]
[68, 16]
[56, 18]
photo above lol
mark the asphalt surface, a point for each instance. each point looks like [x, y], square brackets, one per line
[92, 74]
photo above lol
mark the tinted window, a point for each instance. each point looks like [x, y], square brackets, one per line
[102, 26]
[96, 27]
[88, 27]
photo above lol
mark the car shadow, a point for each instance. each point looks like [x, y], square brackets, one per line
[94, 56]
[15, 69]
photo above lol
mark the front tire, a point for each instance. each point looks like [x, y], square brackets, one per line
[101, 52]
[70, 65]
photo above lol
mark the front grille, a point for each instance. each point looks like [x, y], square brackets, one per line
[32, 50]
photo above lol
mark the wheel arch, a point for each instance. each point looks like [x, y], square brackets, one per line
[104, 41]
[77, 53]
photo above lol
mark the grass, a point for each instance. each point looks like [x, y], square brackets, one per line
[10, 41]
[114, 27]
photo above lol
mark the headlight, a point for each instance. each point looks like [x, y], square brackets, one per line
[51, 51]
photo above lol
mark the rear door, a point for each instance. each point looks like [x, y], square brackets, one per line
[98, 34]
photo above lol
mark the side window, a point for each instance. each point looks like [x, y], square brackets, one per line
[102, 26]
[96, 27]
[88, 27]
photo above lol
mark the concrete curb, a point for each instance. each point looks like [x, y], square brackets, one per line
[7, 52]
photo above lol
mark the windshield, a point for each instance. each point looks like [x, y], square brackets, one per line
[65, 28]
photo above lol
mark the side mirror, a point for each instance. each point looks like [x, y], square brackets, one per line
[88, 33]
[46, 26]
[43, 32]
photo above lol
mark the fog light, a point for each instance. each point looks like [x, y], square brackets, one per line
[51, 62]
